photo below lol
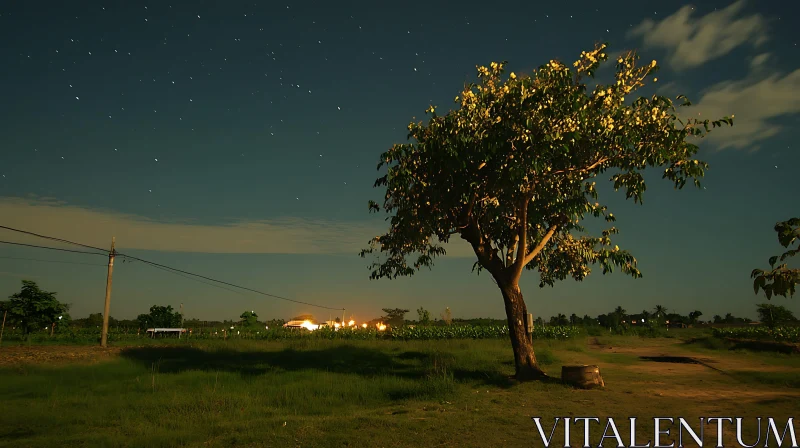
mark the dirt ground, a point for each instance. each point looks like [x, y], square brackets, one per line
[699, 381]
[667, 347]
[54, 354]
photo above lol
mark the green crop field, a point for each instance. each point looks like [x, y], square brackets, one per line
[780, 334]
[406, 333]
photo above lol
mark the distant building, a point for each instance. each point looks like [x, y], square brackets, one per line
[307, 324]
[165, 331]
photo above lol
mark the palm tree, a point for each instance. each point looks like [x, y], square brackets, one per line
[619, 314]
[660, 312]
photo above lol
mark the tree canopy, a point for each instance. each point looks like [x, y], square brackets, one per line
[780, 280]
[249, 318]
[773, 315]
[394, 316]
[513, 169]
[33, 308]
[424, 316]
[160, 317]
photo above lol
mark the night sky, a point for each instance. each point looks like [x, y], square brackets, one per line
[239, 141]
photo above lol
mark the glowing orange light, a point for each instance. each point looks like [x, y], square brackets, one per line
[308, 325]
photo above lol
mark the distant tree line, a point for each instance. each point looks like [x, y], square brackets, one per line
[34, 310]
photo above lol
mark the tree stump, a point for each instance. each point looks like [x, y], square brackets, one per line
[585, 377]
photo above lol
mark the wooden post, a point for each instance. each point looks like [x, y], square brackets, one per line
[107, 308]
[3, 328]
[530, 327]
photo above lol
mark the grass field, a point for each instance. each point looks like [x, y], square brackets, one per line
[370, 393]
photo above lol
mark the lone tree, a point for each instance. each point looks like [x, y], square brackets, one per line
[780, 280]
[447, 316]
[512, 171]
[160, 317]
[394, 316]
[774, 315]
[249, 319]
[33, 308]
[424, 316]
[694, 315]
[660, 312]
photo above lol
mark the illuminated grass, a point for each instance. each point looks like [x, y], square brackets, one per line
[341, 393]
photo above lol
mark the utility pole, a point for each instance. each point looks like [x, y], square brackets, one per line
[107, 308]
[181, 331]
[343, 316]
[3, 327]
[529, 323]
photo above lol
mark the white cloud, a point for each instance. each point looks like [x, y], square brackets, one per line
[755, 101]
[758, 61]
[691, 42]
[276, 236]
[670, 88]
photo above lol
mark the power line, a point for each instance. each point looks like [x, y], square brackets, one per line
[229, 284]
[54, 248]
[174, 270]
[197, 280]
[54, 239]
[52, 261]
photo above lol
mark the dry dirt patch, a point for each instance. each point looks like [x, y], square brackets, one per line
[661, 348]
[54, 354]
[706, 382]
[663, 368]
[739, 395]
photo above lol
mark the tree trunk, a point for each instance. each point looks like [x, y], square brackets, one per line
[525, 363]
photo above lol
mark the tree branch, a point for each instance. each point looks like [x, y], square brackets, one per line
[487, 255]
[590, 167]
[510, 251]
[522, 239]
[528, 258]
[466, 219]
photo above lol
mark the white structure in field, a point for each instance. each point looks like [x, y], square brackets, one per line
[307, 324]
[154, 331]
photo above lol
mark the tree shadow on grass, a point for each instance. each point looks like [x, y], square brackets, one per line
[714, 343]
[346, 359]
